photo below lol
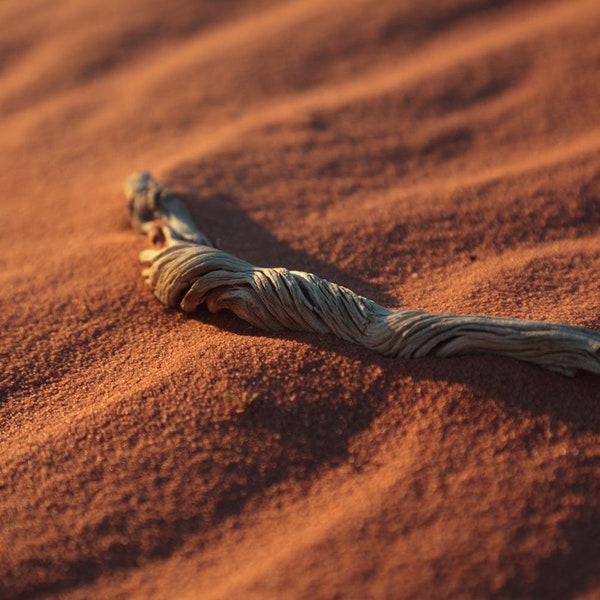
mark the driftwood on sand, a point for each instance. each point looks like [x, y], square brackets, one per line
[188, 271]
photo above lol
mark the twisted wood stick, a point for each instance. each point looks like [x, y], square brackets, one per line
[188, 271]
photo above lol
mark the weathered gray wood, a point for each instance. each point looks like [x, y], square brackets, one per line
[188, 271]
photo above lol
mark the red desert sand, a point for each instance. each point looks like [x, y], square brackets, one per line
[441, 156]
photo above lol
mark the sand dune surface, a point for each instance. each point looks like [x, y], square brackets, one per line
[442, 156]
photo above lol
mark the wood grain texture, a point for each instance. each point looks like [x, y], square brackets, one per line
[190, 272]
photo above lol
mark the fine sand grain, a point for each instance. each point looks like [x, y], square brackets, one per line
[442, 156]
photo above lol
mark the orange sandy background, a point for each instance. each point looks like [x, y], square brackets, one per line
[435, 155]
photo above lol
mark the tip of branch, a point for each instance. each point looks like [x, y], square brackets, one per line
[142, 192]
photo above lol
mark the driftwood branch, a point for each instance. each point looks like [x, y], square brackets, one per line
[188, 271]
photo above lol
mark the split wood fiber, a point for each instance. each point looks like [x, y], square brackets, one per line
[189, 271]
